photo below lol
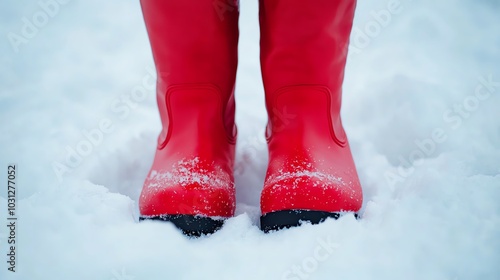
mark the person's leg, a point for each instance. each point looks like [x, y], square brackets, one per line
[311, 173]
[195, 52]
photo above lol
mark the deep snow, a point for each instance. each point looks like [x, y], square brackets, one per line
[421, 107]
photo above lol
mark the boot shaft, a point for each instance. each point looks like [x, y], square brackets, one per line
[193, 45]
[304, 43]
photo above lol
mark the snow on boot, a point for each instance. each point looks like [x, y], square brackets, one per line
[311, 173]
[191, 182]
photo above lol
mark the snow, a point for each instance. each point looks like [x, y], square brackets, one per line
[78, 117]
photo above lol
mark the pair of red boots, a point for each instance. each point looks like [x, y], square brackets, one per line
[311, 173]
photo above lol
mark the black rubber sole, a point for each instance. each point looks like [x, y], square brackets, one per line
[292, 218]
[190, 225]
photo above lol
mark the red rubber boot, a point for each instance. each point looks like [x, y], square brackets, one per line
[195, 51]
[311, 173]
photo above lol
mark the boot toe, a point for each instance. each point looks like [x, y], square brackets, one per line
[192, 198]
[310, 191]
